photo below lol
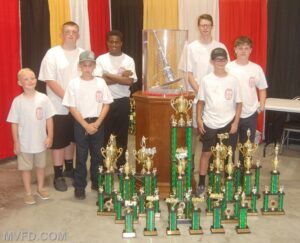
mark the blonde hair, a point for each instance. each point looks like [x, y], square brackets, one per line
[22, 71]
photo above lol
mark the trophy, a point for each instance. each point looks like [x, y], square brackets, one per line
[217, 175]
[127, 179]
[247, 150]
[242, 227]
[181, 166]
[172, 227]
[229, 180]
[129, 231]
[156, 203]
[273, 197]
[237, 202]
[150, 229]
[237, 175]
[252, 211]
[257, 176]
[181, 105]
[217, 227]
[208, 209]
[195, 228]
[144, 156]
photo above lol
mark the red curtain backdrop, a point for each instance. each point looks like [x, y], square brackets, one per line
[10, 64]
[99, 24]
[245, 18]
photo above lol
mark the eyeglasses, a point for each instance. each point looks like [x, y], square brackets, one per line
[70, 32]
[205, 25]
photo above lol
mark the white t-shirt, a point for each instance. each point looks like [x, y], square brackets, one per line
[59, 65]
[250, 76]
[220, 95]
[87, 96]
[31, 114]
[199, 58]
[116, 65]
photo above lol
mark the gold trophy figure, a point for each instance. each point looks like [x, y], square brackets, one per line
[181, 105]
[223, 148]
[248, 148]
[111, 154]
[230, 165]
[275, 160]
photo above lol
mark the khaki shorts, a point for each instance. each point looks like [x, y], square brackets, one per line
[26, 160]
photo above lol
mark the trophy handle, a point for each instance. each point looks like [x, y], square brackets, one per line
[173, 105]
[190, 104]
[103, 152]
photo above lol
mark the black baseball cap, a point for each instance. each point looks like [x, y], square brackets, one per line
[218, 52]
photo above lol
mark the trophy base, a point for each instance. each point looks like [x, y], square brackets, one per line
[119, 221]
[196, 232]
[150, 232]
[184, 221]
[229, 221]
[242, 231]
[272, 212]
[129, 234]
[250, 213]
[173, 232]
[217, 230]
[106, 213]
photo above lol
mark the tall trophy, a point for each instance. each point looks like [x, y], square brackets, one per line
[273, 196]
[150, 229]
[247, 149]
[181, 106]
[106, 177]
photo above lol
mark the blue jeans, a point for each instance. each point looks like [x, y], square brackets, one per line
[87, 143]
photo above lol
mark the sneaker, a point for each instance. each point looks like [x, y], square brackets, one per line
[29, 199]
[68, 173]
[60, 184]
[200, 192]
[43, 194]
[79, 193]
[95, 187]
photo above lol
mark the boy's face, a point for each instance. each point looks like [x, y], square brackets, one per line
[205, 28]
[70, 33]
[243, 51]
[114, 45]
[87, 68]
[219, 63]
[27, 81]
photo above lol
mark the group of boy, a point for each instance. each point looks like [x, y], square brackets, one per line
[88, 99]
[84, 95]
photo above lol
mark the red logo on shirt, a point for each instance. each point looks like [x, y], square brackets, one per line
[39, 113]
[228, 94]
[99, 96]
[121, 70]
[252, 82]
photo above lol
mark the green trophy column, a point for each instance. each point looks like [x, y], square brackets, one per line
[195, 228]
[229, 190]
[247, 183]
[179, 189]
[265, 202]
[242, 227]
[274, 182]
[101, 200]
[189, 157]
[150, 229]
[172, 228]
[121, 184]
[217, 226]
[142, 203]
[129, 232]
[133, 184]
[217, 184]
[211, 176]
[237, 176]
[253, 211]
[173, 156]
[208, 202]
[109, 183]
[280, 201]
[148, 184]
[118, 209]
[257, 177]
[100, 178]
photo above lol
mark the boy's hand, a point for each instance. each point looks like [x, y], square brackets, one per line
[49, 142]
[127, 73]
[201, 126]
[17, 148]
[91, 129]
[234, 127]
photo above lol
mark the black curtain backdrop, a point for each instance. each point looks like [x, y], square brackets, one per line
[127, 16]
[283, 61]
[35, 35]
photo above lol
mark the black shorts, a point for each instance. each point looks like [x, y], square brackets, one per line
[210, 138]
[63, 131]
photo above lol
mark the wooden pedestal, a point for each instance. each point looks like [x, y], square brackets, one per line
[153, 116]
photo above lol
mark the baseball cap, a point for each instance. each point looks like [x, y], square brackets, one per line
[87, 56]
[218, 52]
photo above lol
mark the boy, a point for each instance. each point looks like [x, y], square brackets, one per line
[32, 129]
[218, 109]
[251, 77]
[88, 99]
[118, 71]
[58, 67]
[199, 61]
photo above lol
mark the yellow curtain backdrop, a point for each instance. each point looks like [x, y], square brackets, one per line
[59, 14]
[159, 15]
